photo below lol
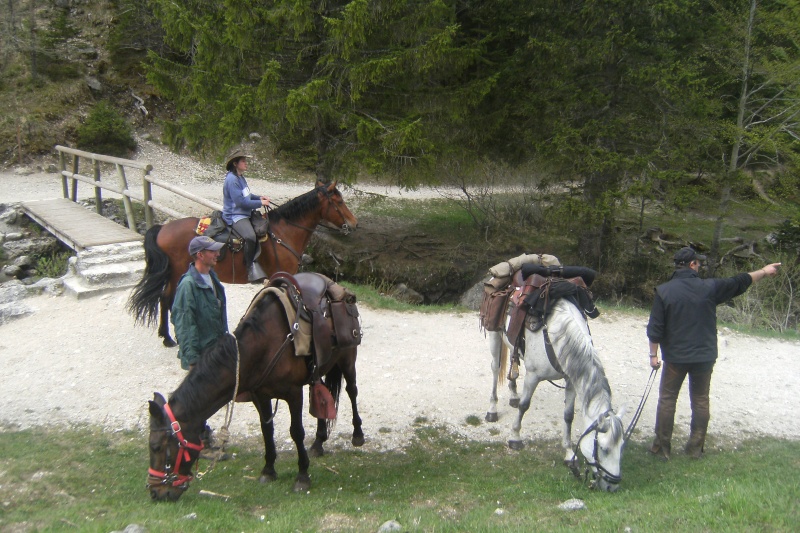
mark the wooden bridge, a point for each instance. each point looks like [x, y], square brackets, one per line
[76, 226]
[109, 256]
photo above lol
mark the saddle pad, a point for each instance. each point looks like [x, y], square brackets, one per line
[302, 335]
[202, 225]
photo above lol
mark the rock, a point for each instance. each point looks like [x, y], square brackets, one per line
[406, 294]
[51, 286]
[94, 84]
[572, 505]
[9, 216]
[255, 136]
[12, 291]
[23, 261]
[36, 247]
[390, 525]
[13, 271]
[133, 528]
[88, 52]
[12, 310]
[52, 169]
[14, 236]
[23, 171]
[473, 297]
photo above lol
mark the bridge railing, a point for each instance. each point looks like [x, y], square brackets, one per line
[70, 178]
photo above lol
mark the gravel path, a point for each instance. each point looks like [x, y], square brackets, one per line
[82, 362]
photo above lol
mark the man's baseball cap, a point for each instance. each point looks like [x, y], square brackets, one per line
[686, 255]
[204, 243]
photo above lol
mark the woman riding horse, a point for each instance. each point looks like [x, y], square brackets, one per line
[290, 228]
[238, 203]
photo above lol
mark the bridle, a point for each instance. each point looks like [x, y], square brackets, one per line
[344, 228]
[172, 476]
[599, 469]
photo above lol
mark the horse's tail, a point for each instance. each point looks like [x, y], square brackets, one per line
[144, 299]
[333, 380]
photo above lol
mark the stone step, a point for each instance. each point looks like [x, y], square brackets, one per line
[110, 253]
[101, 269]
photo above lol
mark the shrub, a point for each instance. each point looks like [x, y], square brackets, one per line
[106, 132]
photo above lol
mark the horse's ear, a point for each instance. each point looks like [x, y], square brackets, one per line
[604, 423]
[622, 411]
[156, 411]
[159, 399]
[332, 186]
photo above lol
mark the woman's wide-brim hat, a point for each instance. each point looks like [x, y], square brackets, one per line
[236, 154]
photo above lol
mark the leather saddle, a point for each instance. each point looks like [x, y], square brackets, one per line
[214, 226]
[537, 288]
[329, 308]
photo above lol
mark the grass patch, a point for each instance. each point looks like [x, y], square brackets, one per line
[89, 480]
[53, 266]
[379, 296]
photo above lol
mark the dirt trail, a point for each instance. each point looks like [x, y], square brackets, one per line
[83, 362]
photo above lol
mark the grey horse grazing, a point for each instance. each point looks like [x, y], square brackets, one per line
[601, 439]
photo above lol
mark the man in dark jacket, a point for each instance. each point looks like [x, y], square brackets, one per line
[683, 321]
[199, 312]
[200, 316]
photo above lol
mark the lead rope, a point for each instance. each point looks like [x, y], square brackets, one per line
[647, 388]
[223, 432]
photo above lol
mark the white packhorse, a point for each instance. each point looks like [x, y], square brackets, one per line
[601, 439]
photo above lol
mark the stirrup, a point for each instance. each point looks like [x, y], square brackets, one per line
[255, 273]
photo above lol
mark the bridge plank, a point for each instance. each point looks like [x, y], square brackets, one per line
[76, 226]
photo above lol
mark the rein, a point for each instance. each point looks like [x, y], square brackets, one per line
[170, 476]
[647, 388]
[277, 240]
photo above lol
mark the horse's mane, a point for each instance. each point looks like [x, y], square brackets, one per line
[579, 356]
[218, 357]
[296, 207]
[252, 319]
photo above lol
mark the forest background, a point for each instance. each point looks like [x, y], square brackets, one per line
[606, 132]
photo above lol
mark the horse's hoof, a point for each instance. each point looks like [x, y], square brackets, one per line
[491, 417]
[516, 445]
[316, 451]
[169, 343]
[573, 467]
[266, 478]
[358, 441]
[513, 402]
[302, 484]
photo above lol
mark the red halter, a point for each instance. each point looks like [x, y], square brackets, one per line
[175, 478]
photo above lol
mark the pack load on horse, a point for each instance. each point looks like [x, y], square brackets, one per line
[299, 330]
[283, 236]
[493, 312]
[545, 325]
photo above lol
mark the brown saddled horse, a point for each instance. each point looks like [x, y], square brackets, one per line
[268, 369]
[290, 228]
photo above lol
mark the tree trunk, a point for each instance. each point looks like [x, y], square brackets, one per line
[733, 163]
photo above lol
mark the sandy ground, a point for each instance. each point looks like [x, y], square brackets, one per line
[83, 362]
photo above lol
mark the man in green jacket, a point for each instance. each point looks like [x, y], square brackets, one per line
[200, 315]
[199, 312]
